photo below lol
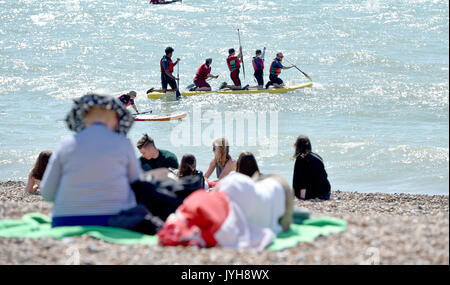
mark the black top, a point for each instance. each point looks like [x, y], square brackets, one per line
[126, 99]
[310, 174]
[165, 159]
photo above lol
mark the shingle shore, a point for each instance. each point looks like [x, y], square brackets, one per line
[382, 229]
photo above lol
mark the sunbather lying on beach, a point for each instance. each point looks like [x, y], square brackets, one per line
[243, 213]
[35, 175]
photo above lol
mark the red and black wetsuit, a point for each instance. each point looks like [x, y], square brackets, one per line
[234, 65]
[126, 100]
[167, 64]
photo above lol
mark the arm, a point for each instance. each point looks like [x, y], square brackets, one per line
[135, 108]
[288, 67]
[240, 55]
[30, 183]
[52, 177]
[212, 76]
[299, 181]
[170, 75]
[176, 62]
[210, 170]
[173, 162]
[230, 166]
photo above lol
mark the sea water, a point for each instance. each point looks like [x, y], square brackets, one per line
[377, 112]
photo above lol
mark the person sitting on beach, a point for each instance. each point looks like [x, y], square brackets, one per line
[246, 164]
[35, 175]
[234, 65]
[222, 161]
[275, 71]
[310, 178]
[89, 175]
[154, 158]
[203, 73]
[191, 178]
[128, 99]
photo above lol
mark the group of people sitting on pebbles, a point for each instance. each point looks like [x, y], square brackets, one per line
[94, 178]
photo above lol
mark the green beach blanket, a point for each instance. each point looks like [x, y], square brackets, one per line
[36, 225]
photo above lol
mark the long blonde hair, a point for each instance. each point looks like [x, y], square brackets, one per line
[221, 151]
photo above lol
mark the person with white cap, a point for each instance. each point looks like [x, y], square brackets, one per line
[88, 177]
[203, 73]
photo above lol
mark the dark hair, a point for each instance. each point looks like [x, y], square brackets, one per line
[41, 164]
[246, 164]
[145, 141]
[258, 51]
[302, 146]
[169, 50]
[231, 50]
[187, 165]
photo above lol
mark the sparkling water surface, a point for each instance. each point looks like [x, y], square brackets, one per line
[377, 113]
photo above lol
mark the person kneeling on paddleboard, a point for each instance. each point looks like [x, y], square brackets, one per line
[234, 65]
[128, 99]
[203, 73]
[275, 70]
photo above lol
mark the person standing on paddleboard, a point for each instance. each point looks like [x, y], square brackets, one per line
[275, 70]
[234, 65]
[258, 66]
[128, 99]
[203, 73]
[167, 78]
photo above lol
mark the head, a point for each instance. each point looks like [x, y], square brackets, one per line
[286, 219]
[258, 52]
[132, 94]
[208, 61]
[231, 51]
[280, 56]
[99, 114]
[147, 148]
[187, 166]
[41, 164]
[302, 146]
[221, 149]
[246, 164]
[169, 51]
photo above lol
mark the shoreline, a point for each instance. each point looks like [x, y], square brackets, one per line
[382, 229]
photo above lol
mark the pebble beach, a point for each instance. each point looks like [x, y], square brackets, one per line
[395, 229]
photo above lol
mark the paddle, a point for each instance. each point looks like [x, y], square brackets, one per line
[307, 76]
[178, 94]
[243, 66]
[142, 113]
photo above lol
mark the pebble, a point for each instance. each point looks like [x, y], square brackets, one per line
[382, 229]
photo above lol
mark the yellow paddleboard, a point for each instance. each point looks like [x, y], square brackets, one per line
[158, 95]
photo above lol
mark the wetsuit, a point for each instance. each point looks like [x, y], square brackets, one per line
[126, 100]
[202, 75]
[167, 64]
[275, 70]
[234, 65]
[258, 66]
